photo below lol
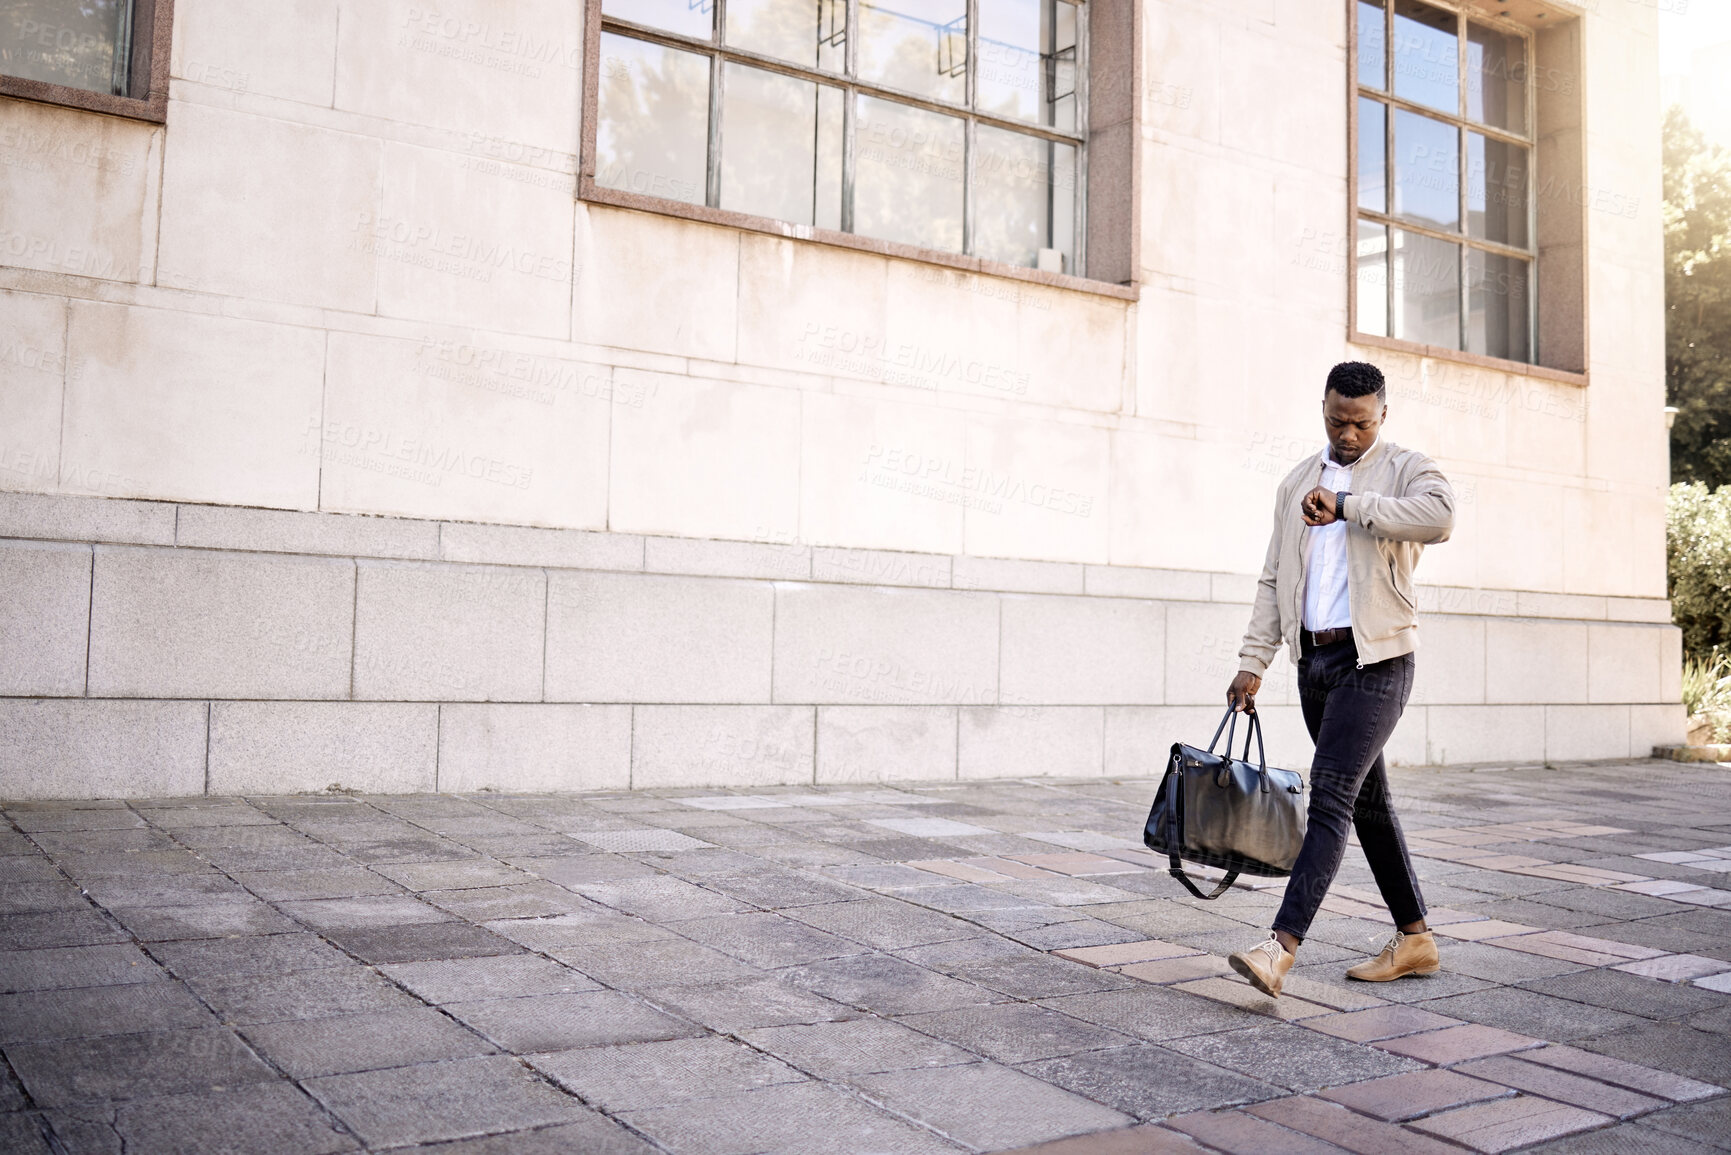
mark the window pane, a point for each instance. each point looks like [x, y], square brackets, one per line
[1426, 56]
[70, 42]
[1372, 155]
[1372, 278]
[1496, 190]
[907, 175]
[826, 208]
[920, 48]
[1372, 70]
[1497, 288]
[653, 132]
[808, 32]
[1061, 70]
[770, 144]
[1011, 70]
[1496, 78]
[686, 17]
[1427, 179]
[1017, 187]
[1427, 289]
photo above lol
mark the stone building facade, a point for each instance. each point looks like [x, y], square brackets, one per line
[551, 394]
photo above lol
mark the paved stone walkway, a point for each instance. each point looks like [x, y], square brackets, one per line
[960, 967]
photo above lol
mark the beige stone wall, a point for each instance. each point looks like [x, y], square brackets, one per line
[350, 276]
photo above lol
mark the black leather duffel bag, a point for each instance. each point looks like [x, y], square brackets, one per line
[1221, 811]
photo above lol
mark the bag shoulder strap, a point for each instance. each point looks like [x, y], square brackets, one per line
[1175, 865]
[1177, 871]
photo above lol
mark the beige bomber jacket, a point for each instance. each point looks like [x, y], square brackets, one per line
[1399, 503]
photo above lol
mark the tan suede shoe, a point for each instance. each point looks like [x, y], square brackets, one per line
[1405, 954]
[1265, 965]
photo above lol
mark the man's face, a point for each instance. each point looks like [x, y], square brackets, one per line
[1351, 423]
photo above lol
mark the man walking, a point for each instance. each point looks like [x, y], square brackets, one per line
[1349, 525]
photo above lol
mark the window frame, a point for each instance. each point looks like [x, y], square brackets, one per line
[1464, 13]
[152, 44]
[719, 53]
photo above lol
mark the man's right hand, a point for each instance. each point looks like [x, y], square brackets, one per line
[1241, 694]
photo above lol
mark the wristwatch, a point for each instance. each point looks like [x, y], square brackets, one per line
[1340, 504]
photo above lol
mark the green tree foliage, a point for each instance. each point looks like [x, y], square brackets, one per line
[1697, 302]
[1698, 553]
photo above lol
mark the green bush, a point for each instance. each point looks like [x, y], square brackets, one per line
[1707, 693]
[1698, 557]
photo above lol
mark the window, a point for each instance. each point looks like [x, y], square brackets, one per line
[106, 55]
[948, 125]
[1446, 234]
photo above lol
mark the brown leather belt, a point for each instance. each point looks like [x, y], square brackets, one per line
[1322, 638]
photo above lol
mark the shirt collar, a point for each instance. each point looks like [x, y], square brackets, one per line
[1329, 462]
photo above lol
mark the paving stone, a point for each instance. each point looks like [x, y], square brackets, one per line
[1239, 1132]
[1708, 1122]
[165, 890]
[265, 1119]
[1506, 1124]
[103, 816]
[1294, 1059]
[1153, 1013]
[736, 1006]
[269, 998]
[1118, 954]
[1384, 1022]
[41, 897]
[1673, 1047]
[435, 1101]
[467, 874]
[1552, 1083]
[1647, 1080]
[1673, 968]
[1235, 992]
[537, 1023]
[494, 977]
[579, 870]
[1486, 960]
[1059, 935]
[593, 1134]
[87, 1012]
[780, 889]
[886, 985]
[131, 864]
[585, 929]
[662, 962]
[247, 955]
[1532, 1013]
[70, 1071]
[322, 883]
[1400, 1097]
[1457, 1044]
[1638, 1138]
[1041, 976]
[768, 940]
[392, 944]
[1178, 970]
[659, 1074]
[1016, 1032]
[793, 1119]
[1140, 1140]
[1628, 993]
[22, 1135]
[1150, 1081]
[370, 911]
[860, 1046]
[661, 899]
[335, 1046]
[1345, 1129]
[528, 900]
[988, 1106]
[220, 920]
[59, 968]
[76, 927]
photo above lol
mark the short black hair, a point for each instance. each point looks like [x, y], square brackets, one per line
[1356, 379]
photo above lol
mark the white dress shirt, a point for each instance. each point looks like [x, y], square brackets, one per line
[1326, 602]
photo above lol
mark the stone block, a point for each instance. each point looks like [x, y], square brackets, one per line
[1535, 661]
[440, 632]
[813, 309]
[44, 618]
[880, 567]
[1082, 651]
[1238, 588]
[1031, 742]
[886, 743]
[32, 384]
[706, 458]
[1043, 490]
[1458, 735]
[80, 192]
[283, 531]
[989, 1107]
[854, 645]
[1580, 733]
[1409, 745]
[534, 747]
[1575, 606]
[284, 50]
[1139, 738]
[300, 202]
[433, 1101]
[1653, 610]
[190, 406]
[101, 749]
[721, 746]
[437, 429]
[196, 623]
[70, 518]
[686, 307]
[1450, 662]
[522, 545]
[306, 747]
[1655, 725]
[1626, 663]
[701, 557]
[1202, 643]
[1028, 577]
[876, 472]
[652, 638]
[1125, 581]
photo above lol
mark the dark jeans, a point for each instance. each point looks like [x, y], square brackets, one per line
[1350, 713]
